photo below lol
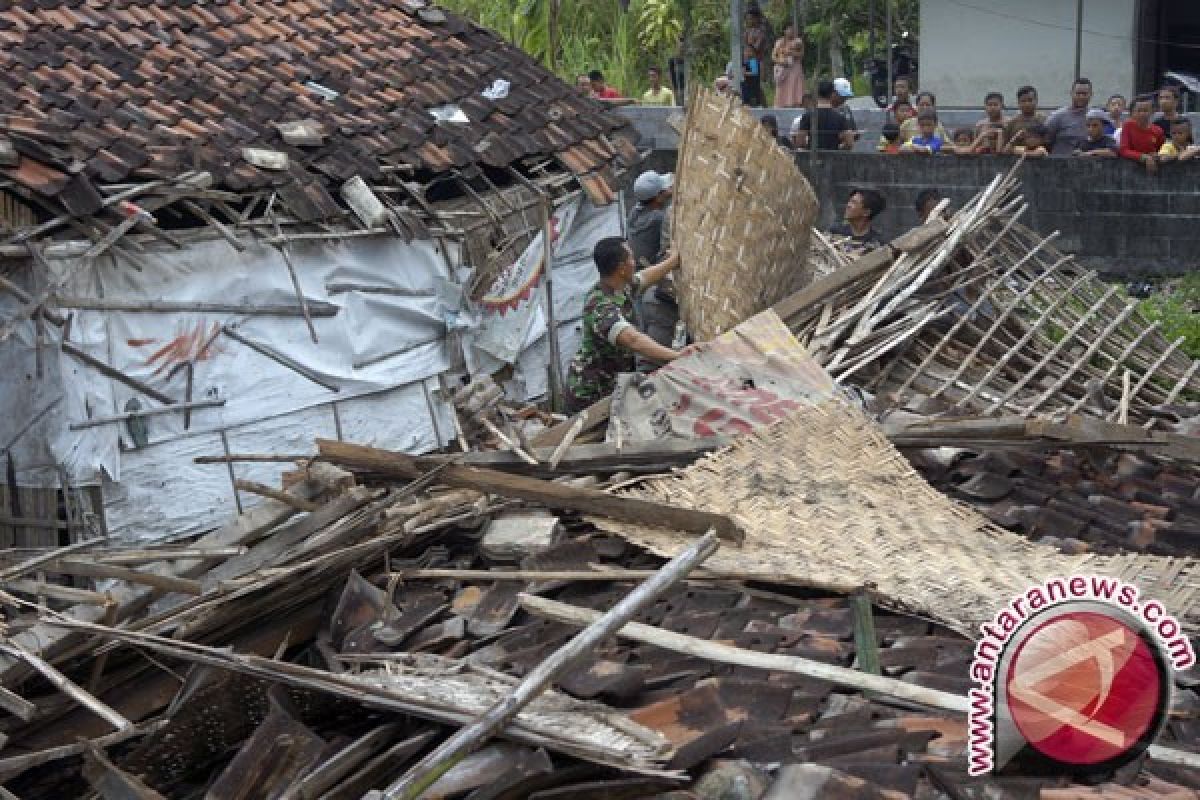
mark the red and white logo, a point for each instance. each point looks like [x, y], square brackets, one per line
[1084, 688]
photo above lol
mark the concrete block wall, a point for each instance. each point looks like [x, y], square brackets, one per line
[1115, 217]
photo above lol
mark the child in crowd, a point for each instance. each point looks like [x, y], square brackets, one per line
[1027, 102]
[903, 111]
[926, 101]
[889, 139]
[1098, 143]
[1030, 142]
[927, 141]
[993, 106]
[1116, 115]
[1181, 146]
[1140, 138]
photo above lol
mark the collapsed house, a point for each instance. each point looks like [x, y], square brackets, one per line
[229, 227]
[328, 641]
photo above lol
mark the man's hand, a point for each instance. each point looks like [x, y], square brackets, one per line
[693, 349]
[654, 274]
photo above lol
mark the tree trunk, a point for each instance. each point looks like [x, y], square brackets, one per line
[837, 66]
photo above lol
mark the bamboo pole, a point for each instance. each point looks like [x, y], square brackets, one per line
[423, 775]
[727, 654]
[145, 412]
[67, 687]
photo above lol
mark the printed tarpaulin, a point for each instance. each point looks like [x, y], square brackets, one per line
[513, 302]
[745, 379]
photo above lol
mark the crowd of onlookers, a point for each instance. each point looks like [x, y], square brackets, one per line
[1153, 130]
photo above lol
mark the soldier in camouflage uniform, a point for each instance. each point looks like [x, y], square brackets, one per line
[610, 340]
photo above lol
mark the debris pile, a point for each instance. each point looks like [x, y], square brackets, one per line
[324, 642]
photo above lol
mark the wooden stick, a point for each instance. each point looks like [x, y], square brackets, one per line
[217, 225]
[508, 443]
[67, 594]
[92, 569]
[602, 574]
[116, 374]
[67, 687]
[727, 654]
[145, 412]
[25, 297]
[317, 309]
[16, 705]
[18, 764]
[275, 494]
[266, 458]
[414, 783]
[554, 495]
[287, 260]
[280, 358]
[8, 573]
[568, 439]
[338, 288]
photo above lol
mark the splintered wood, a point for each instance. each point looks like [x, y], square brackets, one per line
[743, 212]
[983, 315]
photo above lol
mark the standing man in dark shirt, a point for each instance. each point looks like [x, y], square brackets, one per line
[652, 190]
[833, 130]
[610, 340]
[1168, 110]
[1067, 127]
[857, 235]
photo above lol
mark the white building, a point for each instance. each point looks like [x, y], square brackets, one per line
[971, 47]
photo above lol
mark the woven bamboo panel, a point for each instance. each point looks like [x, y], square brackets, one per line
[742, 217]
[824, 497]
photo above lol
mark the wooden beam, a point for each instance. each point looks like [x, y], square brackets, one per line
[553, 495]
[426, 771]
[316, 308]
[116, 374]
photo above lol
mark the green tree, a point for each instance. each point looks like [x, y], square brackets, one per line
[624, 37]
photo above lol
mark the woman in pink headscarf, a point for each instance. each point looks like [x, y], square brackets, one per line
[788, 55]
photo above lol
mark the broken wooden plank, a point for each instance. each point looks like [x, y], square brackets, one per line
[146, 412]
[553, 495]
[426, 772]
[18, 764]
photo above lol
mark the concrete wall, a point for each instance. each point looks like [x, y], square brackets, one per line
[971, 47]
[1119, 219]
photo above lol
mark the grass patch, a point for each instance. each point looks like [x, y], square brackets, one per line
[1177, 309]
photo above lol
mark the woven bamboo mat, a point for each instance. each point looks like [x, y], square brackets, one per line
[743, 212]
[824, 497]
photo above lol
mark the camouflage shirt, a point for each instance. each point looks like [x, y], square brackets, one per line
[593, 372]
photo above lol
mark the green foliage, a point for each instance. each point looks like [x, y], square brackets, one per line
[1178, 311]
[599, 34]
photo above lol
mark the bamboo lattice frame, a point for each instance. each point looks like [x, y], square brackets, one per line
[743, 212]
[991, 317]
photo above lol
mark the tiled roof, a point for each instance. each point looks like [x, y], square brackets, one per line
[144, 89]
